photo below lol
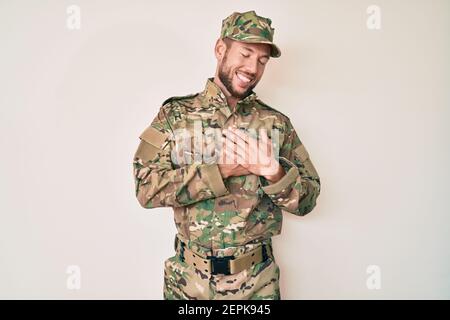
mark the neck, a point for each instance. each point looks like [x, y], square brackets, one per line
[231, 100]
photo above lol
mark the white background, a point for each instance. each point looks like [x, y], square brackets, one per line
[371, 106]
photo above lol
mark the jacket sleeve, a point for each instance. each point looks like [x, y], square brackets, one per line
[158, 183]
[298, 189]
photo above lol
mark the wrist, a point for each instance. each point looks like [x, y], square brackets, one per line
[277, 175]
[222, 172]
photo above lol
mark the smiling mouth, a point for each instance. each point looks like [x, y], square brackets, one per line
[243, 79]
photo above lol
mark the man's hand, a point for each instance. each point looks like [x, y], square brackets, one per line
[228, 165]
[228, 170]
[256, 157]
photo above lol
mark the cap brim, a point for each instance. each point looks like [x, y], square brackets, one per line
[274, 53]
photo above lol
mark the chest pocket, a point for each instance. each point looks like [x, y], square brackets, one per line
[266, 123]
[195, 141]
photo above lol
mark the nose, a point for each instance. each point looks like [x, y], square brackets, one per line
[251, 67]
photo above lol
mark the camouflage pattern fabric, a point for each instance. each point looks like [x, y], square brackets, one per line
[249, 27]
[184, 282]
[215, 213]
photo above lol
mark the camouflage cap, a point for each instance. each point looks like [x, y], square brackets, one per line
[251, 28]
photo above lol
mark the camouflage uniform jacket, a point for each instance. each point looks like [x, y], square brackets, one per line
[209, 210]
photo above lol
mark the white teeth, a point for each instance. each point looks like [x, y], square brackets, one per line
[243, 78]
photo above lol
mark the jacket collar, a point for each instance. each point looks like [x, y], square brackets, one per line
[214, 95]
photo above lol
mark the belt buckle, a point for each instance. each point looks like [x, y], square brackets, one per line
[220, 264]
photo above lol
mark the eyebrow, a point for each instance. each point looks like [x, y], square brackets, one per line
[251, 50]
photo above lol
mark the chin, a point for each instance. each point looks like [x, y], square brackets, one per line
[239, 90]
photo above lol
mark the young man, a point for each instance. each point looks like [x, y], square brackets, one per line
[228, 182]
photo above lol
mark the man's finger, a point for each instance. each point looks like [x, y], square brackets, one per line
[250, 141]
[242, 160]
[229, 155]
[241, 134]
[240, 148]
[244, 169]
[263, 136]
[236, 135]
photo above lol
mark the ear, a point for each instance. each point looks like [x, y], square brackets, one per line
[220, 49]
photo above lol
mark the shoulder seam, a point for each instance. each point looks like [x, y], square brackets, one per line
[174, 98]
[266, 105]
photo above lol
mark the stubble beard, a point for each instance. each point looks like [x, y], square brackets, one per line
[226, 77]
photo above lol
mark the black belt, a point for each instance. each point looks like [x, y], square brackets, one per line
[219, 265]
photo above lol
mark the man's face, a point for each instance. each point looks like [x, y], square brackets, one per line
[243, 66]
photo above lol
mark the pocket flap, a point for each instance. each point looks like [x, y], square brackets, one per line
[301, 153]
[154, 137]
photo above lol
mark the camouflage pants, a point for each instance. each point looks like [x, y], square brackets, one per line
[185, 282]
